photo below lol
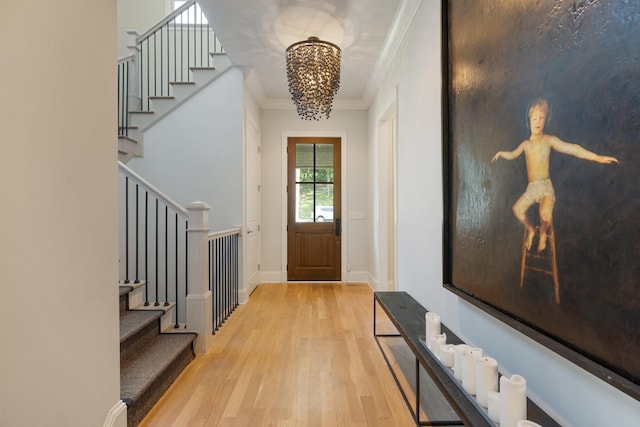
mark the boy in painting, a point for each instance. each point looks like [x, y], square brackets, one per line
[537, 150]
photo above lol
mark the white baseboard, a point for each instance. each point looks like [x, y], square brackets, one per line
[117, 416]
[356, 277]
[272, 277]
[243, 294]
[347, 277]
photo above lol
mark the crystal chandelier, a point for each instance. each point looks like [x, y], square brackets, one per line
[313, 72]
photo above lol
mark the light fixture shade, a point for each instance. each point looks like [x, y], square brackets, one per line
[313, 72]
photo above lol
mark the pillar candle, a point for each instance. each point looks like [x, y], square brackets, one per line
[436, 342]
[458, 357]
[469, 370]
[432, 321]
[493, 397]
[513, 400]
[446, 355]
[486, 379]
[527, 423]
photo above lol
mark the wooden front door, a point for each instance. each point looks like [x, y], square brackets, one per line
[313, 217]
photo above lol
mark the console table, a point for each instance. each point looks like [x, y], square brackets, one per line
[407, 315]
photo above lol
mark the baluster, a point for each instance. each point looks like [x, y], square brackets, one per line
[126, 99]
[126, 230]
[235, 269]
[166, 256]
[146, 248]
[186, 265]
[137, 280]
[175, 52]
[176, 256]
[227, 279]
[157, 302]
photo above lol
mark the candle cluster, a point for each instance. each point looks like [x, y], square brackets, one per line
[505, 399]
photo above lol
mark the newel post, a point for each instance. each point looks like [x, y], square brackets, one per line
[199, 299]
[134, 50]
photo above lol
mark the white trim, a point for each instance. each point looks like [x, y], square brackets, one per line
[144, 183]
[357, 277]
[117, 416]
[401, 24]
[343, 191]
[272, 277]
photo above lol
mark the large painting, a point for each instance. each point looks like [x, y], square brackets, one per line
[542, 161]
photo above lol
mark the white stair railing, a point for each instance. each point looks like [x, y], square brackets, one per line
[166, 249]
[166, 54]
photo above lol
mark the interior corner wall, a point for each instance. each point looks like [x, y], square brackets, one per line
[58, 227]
[195, 152]
[274, 125]
[573, 396]
[139, 15]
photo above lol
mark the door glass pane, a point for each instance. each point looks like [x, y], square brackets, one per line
[324, 163]
[304, 202]
[314, 183]
[324, 202]
[304, 163]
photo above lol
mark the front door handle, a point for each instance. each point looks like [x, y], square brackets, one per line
[337, 222]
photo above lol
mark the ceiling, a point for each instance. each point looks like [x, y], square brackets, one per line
[256, 33]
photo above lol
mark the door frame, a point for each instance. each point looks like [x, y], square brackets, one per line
[343, 196]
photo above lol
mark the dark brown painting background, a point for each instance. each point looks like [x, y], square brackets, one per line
[584, 56]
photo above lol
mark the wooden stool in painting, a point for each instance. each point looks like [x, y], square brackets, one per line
[543, 262]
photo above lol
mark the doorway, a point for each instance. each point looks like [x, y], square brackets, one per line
[386, 204]
[314, 228]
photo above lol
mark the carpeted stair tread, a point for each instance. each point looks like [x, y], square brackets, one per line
[125, 289]
[133, 321]
[139, 372]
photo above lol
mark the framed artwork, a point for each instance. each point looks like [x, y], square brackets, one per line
[542, 173]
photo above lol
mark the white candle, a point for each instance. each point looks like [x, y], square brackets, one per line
[527, 423]
[458, 357]
[513, 400]
[432, 321]
[469, 370]
[436, 342]
[446, 355]
[486, 379]
[493, 397]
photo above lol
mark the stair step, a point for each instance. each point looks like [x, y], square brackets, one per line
[142, 119]
[124, 292]
[161, 105]
[182, 90]
[137, 330]
[145, 377]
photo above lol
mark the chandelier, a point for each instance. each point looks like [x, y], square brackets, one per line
[313, 72]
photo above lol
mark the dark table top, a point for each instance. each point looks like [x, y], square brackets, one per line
[407, 316]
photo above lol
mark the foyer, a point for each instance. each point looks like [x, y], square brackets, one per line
[298, 354]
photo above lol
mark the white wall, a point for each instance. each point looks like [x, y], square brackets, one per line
[195, 152]
[574, 397]
[353, 125]
[58, 229]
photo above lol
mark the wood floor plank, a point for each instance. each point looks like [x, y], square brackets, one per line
[293, 355]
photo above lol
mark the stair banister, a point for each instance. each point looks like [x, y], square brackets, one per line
[173, 15]
[153, 189]
[199, 299]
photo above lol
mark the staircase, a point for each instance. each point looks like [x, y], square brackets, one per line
[130, 143]
[152, 354]
[168, 64]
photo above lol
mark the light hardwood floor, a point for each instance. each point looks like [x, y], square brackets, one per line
[294, 355]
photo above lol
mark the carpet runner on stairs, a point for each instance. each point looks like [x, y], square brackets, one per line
[149, 360]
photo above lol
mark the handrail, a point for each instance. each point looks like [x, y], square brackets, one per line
[224, 233]
[159, 194]
[164, 21]
[124, 59]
